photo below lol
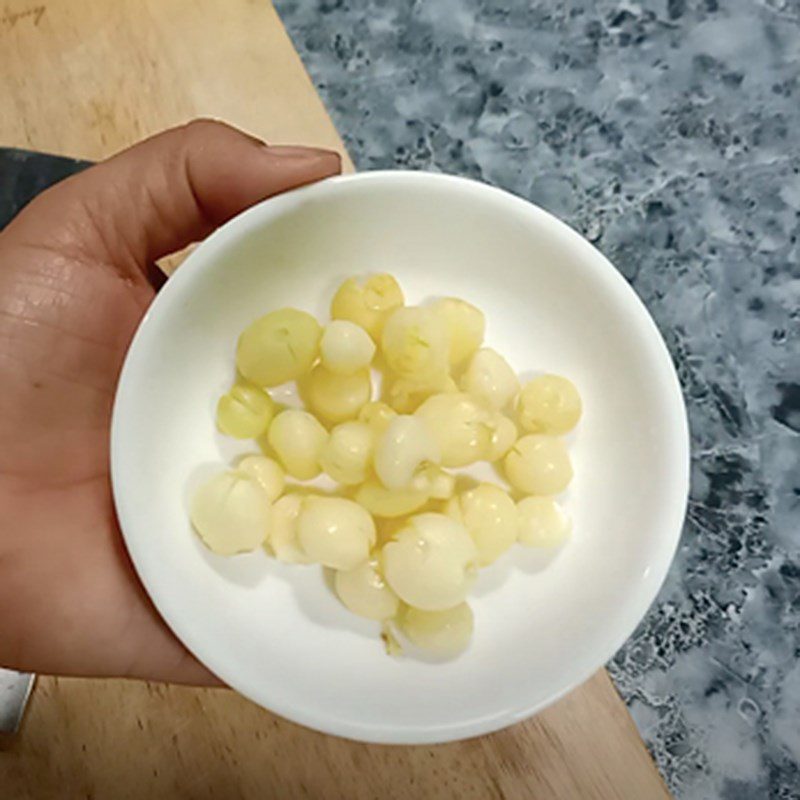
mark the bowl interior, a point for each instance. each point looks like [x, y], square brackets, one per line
[553, 303]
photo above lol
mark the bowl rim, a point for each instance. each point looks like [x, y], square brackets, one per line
[203, 257]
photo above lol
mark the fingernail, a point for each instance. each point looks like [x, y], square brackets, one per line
[299, 152]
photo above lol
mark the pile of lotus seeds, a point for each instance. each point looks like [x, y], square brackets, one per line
[404, 534]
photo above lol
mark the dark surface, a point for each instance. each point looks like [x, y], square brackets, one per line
[24, 174]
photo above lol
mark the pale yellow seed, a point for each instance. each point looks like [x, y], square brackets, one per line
[437, 483]
[245, 412]
[490, 379]
[414, 344]
[335, 531]
[404, 447]
[297, 438]
[367, 302]
[444, 633]
[542, 522]
[266, 472]
[406, 396]
[278, 347]
[490, 517]
[345, 347]
[429, 560]
[283, 540]
[231, 514]
[538, 464]
[388, 503]
[347, 455]
[460, 425]
[549, 404]
[504, 434]
[337, 398]
[431, 563]
[377, 415]
[364, 591]
[465, 325]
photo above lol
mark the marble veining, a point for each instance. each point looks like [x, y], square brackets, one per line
[667, 133]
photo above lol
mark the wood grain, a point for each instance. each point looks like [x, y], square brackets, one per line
[125, 740]
[85, 78]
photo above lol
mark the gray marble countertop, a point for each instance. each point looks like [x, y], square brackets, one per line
[669, 134]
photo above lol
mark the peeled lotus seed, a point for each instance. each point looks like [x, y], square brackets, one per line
[283, 540]
[406, 395]
[504, 434]
[402, 449]
[377, 415]
[365, 592]
[335, 397]
[245, 411]
[231, 513]
[394, 560]
[367, 302]
[414, 344]
[542, 523]
[465, 325]
[431, 564]
[460, 426]
[490, 517]
[266, 472]
[538, 464]
[436, 482]
[549, 404]
[336, 532]
[389, 503]
[345, 347]
[347, 454]
[490, 379]
[298, 438]
[442, 632]
[278, 347]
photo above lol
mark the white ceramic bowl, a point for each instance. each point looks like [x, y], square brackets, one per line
[276, 633]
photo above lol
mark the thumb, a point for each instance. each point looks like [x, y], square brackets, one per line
[168, 191]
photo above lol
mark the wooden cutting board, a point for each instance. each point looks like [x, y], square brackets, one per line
[85, 78]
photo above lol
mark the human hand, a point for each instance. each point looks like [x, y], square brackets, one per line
[76, 269]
